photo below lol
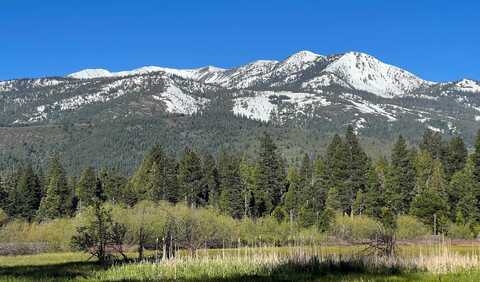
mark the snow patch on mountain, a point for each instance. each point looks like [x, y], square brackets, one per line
[297, 62]
[467, 85]
[367, 107]
[324, 80]
[364, 72]
[178, 102]
[261, 106]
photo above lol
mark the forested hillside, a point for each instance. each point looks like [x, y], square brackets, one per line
[438, 182]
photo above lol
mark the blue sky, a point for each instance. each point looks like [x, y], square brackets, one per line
[437, 40]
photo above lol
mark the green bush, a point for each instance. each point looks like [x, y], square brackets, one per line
[56, 233]
[409, 228]
[3, 217]
[459, 231]
[353, 227]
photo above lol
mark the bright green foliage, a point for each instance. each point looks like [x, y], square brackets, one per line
[430, 205]
[190, 179]
[400, 181]
[359, 205]
[270, 177]
[463, 194]
[87, 187]
[332, 202]
[57, 199]
[293, 198]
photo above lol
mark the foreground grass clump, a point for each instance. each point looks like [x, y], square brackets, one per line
[330, 263]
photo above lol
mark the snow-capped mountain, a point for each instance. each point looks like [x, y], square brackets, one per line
[305, 97]
[302, 87]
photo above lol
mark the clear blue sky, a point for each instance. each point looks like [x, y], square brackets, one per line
[437, 40]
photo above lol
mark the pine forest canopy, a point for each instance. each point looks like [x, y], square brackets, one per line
[438, 182]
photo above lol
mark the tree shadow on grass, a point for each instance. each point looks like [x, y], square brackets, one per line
[291, 271]
[50, 272]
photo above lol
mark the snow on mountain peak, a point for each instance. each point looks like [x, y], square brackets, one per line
[302, 57]
[90, 73]
[467, 85]
[367, 73]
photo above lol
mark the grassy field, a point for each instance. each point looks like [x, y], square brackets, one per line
[327, 263]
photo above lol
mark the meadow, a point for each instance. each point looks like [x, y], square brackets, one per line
[414, 262]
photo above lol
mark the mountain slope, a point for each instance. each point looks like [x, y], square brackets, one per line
[305, 93]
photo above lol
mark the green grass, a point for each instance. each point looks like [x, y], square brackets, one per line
[329, 263]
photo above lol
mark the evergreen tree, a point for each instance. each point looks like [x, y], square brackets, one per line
[464, 194]
[456, 156]
[57, 200]
[476, 158]
[231, 188]
[430, 205]
[210, 192]
[332, 202]
[375, 196]
[358, 164]
[162, 178]
[400, 181]
[319, 190]
[25, 198]
[432, 143]
[293, 200]
[112, 182]
[190, 178]
[337, 168]
[270, 178]
[86, 187]
[248, 173]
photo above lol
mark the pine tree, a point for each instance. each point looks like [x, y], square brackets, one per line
[162, 184]
[337, 169]
[86, 187]
[464, 193]
[270, 178]
[190, 178]
[400, 181]
[332, 202]
[248, 173]
[112, 182]
[358, 164]
[430, 205]
[320, 186]
[231, 188]
[210, 192]
[25, 199]
[456, 156]
[293, 200]
[57, 200]
[476, 158]
[375, 195]
[432, 143]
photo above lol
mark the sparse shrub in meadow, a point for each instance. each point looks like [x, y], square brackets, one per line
[355, 227]
[459, 231]
[410, 228]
